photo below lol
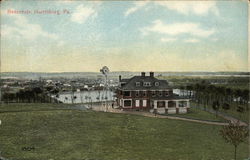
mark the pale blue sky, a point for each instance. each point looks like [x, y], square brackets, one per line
[126, 36]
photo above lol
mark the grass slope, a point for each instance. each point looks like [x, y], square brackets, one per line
[195, 113]
[78, 135]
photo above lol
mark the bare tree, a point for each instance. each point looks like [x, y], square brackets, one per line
[234, 134]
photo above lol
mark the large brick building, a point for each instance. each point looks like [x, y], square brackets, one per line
[150, 94]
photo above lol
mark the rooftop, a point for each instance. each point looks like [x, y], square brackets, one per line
[144, 82]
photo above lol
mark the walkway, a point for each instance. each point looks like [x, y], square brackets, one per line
[148, 114]
[223, 115]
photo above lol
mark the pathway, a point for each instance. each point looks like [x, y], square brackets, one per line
[223, 115]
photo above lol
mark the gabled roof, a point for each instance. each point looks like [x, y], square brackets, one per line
[131, 83]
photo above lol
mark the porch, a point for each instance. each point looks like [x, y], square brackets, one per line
[177, 106]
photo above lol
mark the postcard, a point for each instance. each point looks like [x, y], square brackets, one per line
[124, 80]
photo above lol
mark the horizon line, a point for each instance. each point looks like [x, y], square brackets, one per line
[118, 71]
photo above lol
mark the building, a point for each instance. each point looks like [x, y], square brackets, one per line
[149, 94]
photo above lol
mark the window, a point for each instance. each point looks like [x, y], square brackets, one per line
[160, 93]
[126, 93]
[127, 103]
[137, 93]
[144, 93]
[137, 103]
[147, 84]
[144, 103]
[166, 93]
[153, 93]
[161, 104]
[137, 84]
[181, 104]
[156, 83]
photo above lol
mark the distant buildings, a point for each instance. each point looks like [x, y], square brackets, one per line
[150, 94]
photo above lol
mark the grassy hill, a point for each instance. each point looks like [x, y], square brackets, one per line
[78, 135]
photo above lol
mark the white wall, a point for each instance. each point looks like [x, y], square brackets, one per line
[171, 110]
[161, 110]
[182, 110]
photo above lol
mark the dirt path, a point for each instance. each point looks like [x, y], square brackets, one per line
[225, 116]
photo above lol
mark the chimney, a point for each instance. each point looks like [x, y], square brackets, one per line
[151, 74]
[120, 78]
[143, 74]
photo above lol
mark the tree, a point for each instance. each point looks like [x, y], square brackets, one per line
[216, 106]
[240, 109]
[225, 106]
[234, 134]
[229, 95]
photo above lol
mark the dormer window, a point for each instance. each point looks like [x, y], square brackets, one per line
[157, 84]
[137, 84]
[147, 84]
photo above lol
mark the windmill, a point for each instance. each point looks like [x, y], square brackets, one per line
[105, 71]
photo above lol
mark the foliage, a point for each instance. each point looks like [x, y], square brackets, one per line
[216, 106]
[234, 134]
[225, 106]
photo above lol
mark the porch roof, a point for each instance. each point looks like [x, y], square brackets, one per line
[170, 98]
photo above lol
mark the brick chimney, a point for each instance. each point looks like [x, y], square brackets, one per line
[151, 74]
[120, 78]
[143, 74]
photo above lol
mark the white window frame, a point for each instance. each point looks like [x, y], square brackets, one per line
[153, 95]
[136, 93]
[137, 84]
[144, 103]
[166, 93]
[127, 106]
[147, 84]
[157, 83]
[137, 103]
[160, 93]
[126, 91]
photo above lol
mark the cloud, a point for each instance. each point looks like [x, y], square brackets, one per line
[137, 5]
[168, 39]
[183, 7]
[25, 30]
[191, 7]
[192, 40]
[82, 13]
[177, 28]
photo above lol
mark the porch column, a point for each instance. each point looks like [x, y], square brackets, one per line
[166, 106]
[177, 106]
[155, 106]
[188, 105]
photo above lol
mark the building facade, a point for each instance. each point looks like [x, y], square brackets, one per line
[149, 94]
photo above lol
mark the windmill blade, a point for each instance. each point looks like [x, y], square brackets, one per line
[104, 70]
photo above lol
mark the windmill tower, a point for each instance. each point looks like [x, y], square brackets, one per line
[105, 71]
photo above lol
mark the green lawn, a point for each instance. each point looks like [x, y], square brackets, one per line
[232, 112]
[78, 135]
[32, 106]
[196, 113]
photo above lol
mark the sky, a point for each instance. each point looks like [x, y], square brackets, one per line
[83, 36]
